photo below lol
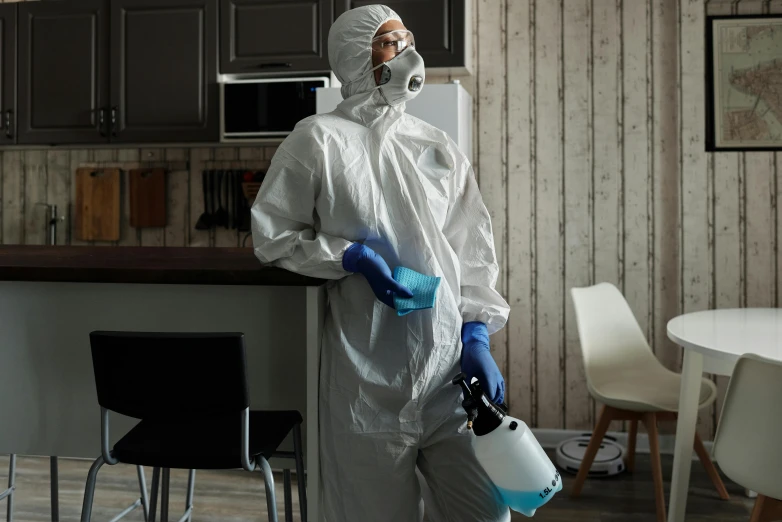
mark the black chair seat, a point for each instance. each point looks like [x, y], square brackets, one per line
[204, 442]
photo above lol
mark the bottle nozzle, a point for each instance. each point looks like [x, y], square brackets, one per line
[469, 403]
[461, 380]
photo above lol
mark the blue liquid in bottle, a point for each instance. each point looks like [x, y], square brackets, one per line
[526, 502]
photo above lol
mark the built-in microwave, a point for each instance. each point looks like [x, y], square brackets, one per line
[264, 108]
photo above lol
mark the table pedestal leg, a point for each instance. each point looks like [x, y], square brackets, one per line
[689, 396]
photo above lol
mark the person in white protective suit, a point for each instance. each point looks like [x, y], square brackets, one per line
[350, 195]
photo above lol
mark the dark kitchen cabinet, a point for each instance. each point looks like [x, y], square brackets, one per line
[164, 71]
[438, 25]
[63, 71]
[274, 35]
[97, 71]
[7, 73]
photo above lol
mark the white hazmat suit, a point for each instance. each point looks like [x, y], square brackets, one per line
[370, 173]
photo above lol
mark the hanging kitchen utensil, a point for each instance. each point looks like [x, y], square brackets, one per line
[148, 198]
[205, 219]
[238, 196]
[212, 188]
[97, 204]
[220, 215]
[228, 193]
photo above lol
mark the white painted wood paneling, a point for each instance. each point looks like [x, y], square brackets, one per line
[578, 162]
[521, 208]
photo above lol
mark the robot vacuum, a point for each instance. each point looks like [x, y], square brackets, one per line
[608, 462]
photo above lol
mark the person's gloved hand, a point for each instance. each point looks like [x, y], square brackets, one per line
[478, 362]
[360, 258]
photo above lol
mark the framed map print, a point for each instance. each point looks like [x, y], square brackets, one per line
[744, 83]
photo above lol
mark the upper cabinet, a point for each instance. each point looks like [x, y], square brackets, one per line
[274, 36]
[7, 74]
[443, 35]
[63, 71]
[122, 71]
[163, 71]
[147, 71]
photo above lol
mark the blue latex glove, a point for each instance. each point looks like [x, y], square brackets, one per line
[360, 258]
[478, 362]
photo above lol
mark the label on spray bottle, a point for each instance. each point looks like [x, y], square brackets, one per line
[549, 490]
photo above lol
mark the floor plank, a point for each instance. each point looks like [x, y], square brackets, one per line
[236, 496]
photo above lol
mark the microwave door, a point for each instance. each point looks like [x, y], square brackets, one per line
[268, 108]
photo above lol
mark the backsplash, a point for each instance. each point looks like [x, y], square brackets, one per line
[31, 179]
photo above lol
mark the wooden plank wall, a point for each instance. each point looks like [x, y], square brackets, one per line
[29, 179]
[589, 119]
[589, 150]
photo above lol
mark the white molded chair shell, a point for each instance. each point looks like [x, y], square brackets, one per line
[621, 369]
[747, 444]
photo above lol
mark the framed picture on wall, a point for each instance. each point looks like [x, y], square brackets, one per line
[744, 83]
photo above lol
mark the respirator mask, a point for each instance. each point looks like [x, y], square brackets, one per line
[403, 76]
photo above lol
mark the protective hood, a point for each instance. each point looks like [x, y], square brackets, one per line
[350, 40]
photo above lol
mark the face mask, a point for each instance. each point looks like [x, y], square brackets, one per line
[402, 78]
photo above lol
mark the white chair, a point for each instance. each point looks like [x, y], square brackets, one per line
[623, 374]
[747, 444]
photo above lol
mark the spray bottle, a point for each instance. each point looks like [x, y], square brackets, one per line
[508, 452]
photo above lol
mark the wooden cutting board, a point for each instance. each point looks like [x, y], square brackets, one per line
[148, 198]
[97, 204]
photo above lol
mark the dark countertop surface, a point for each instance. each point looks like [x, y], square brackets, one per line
[143, 265]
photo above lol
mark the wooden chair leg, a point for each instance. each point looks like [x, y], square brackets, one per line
[631, 437]
[766, 510]
[650, 421]
[714, 475]
[606, 416]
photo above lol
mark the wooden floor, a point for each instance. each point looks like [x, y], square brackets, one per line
[236, 496]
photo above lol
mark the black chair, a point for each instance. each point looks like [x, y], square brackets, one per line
[8, 494]
[190, 392]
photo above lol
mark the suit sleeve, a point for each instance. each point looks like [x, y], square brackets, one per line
[285, 225]
[469, 232]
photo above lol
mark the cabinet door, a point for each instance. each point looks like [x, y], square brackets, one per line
[274, 35]
[438, 26]
[7, 73]
[164, 71]
[63, 62]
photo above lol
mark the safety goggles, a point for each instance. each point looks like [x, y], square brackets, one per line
[396, 41]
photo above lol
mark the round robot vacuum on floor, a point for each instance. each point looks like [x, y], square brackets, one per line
[608, 462]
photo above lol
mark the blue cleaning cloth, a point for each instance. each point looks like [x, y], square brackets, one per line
[424, 290]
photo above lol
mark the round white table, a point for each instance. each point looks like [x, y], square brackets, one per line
[713, 341]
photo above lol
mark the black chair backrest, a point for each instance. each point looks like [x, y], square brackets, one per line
[166, 375]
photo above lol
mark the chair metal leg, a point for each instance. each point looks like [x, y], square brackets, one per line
[89, 491]
[189, 499]
[268, 479]
[164, 490]
[153, 494]
[286, 481]
[142, 486]
[300, 476]
[8, 494]
[54, 480]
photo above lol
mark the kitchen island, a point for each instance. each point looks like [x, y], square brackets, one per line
[52, 297]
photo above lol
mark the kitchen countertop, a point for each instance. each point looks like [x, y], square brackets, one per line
[143, 265]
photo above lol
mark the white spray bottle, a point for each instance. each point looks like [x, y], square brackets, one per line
[509, 453]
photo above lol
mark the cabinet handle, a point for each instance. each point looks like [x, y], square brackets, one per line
[279, 64]
[114, 111]
[102, 121]
[8, 129]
